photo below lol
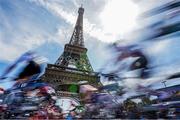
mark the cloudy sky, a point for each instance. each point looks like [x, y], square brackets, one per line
[46, 25]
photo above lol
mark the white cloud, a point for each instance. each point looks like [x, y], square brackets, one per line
[12, 51]
[19, 45]
[24, 34]
[63, 35]
[57, 9]
[119, 17]
[90, 28]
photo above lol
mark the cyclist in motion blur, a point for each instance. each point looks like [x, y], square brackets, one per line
[29, 96]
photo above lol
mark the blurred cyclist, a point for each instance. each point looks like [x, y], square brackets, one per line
[29, 94]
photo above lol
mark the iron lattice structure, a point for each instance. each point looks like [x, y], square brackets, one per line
[75, 52]
[73, 65]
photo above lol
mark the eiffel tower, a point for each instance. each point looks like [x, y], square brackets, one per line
[75, 52]
[73, 65]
